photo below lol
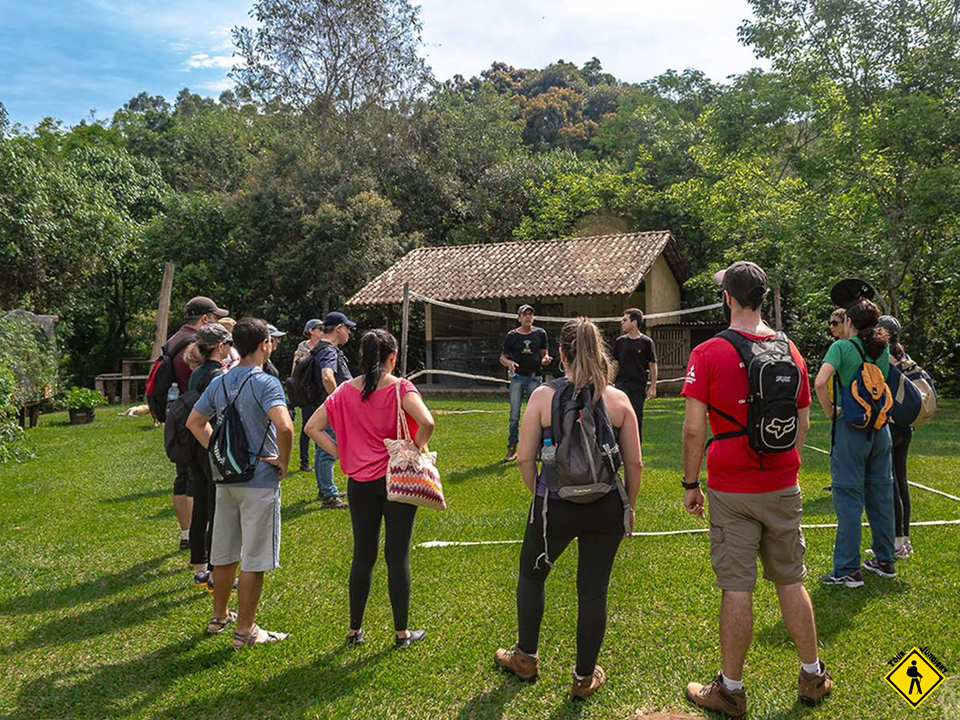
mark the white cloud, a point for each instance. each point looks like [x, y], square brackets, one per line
[202, 60]
[634, 39]
[217, 86]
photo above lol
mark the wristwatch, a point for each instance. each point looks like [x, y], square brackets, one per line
[690, 486]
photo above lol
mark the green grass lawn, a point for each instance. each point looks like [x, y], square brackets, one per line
[98, 617]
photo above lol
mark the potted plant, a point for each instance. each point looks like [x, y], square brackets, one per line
[81, 403]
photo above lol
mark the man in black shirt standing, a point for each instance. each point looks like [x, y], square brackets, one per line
[525, 353]
[634, 355]
[330, 372]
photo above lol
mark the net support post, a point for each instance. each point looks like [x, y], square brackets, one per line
[404, 333]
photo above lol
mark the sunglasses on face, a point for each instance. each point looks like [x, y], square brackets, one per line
[835, 322]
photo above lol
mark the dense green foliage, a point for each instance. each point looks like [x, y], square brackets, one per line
[90, 633]
[285, 196]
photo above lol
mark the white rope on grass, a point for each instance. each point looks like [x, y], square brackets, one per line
[468, 376]
[909, 482]
[551, 318]
[691, 531]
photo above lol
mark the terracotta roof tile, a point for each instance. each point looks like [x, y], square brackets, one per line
[598, 265]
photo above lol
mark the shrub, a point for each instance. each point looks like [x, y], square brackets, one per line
[79, 398]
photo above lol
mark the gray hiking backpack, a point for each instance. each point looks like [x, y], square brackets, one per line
[586, 465]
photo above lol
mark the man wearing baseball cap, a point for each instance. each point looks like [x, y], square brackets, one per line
[755, 504]
[312, 331]
[525, 353]
[268, 366]
[331, 371]
[198, 311]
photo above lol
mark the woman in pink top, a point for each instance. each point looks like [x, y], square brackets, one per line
[363, 413]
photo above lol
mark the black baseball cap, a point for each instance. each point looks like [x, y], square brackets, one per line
[201, 305]
[744, 280]
[332, 319]
[850, 291]
[523, 308]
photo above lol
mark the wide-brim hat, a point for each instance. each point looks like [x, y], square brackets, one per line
[850, 291]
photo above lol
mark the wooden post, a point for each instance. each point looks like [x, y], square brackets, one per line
[404, 333]
[428, 336]
[778, 319]
[163, 310]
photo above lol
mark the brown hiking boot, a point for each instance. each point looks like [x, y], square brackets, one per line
[813, 687]
[583, 689]
[524, 665]
[333, 503]
[511, 455]
[717, 698]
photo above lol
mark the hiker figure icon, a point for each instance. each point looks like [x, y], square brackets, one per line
[915, 678]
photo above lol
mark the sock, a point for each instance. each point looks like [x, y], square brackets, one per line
[185, 534]
[731, 684]
[813, 668]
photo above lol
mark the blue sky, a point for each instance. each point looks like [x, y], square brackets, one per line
[65, 59]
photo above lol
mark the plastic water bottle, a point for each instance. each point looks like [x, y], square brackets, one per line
[173, 393]
[548, 453]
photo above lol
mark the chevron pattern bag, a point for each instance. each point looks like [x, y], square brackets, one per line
[412, 475]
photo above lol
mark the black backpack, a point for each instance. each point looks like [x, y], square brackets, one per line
[774, 381]
[181, 446]
[228, 449]
[587, 462]
[302, 387]
[161, 377]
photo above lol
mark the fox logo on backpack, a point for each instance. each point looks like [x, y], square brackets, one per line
[586, 464]
[774, 389]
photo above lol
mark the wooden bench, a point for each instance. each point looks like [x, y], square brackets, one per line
[128, 386]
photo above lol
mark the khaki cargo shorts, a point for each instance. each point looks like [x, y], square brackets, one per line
[744, 526]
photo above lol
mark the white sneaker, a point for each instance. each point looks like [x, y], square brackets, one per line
[904, 551]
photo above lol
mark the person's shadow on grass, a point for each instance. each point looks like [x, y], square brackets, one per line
[96, 588]
[115, 689]
[489, 704]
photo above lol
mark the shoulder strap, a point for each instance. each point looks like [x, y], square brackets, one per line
[740, 343]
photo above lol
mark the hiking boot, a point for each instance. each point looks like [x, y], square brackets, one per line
[883, 569]
[813, 687]
[584, 688]
[305, 468]
[184, 544]
[333, 503]
[511, 455]
[850, 580]
[717, 698]
[524, 665]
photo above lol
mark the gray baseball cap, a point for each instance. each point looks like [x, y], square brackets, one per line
[213, 334]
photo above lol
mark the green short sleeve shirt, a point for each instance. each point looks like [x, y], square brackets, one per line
[846, 360]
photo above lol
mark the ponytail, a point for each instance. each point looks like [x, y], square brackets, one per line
[896, 349]
[585, 355]
[375, 347]
[865, 315]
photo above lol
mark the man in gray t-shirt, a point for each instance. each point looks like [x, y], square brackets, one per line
[246, 523]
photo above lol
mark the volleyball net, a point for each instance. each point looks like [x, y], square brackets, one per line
[464, 343]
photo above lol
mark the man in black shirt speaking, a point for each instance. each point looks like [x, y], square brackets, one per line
[525, 352]
[634, 354]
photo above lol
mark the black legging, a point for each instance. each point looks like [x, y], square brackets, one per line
[204, 506]
[637, 394]
[306, 413]
[368, 505]
[901, 491]
[598, 526]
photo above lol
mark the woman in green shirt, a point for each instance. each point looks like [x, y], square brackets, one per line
[861, 462]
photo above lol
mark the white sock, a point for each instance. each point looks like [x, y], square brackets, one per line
[731, 684]
[898, 543]
[185, 534]
[813, 668]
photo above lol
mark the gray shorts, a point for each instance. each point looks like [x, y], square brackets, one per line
[246, 528]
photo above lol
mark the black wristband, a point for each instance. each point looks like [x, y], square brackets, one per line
[690, 486]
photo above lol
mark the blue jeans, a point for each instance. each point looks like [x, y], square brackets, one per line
[862, 472]
[323, 466]
[521, 387]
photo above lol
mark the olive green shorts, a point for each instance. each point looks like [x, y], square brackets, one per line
[745, 526]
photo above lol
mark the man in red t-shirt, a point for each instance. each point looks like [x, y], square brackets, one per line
[755, 504]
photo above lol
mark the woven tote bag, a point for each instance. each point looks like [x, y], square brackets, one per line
[412, 475]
